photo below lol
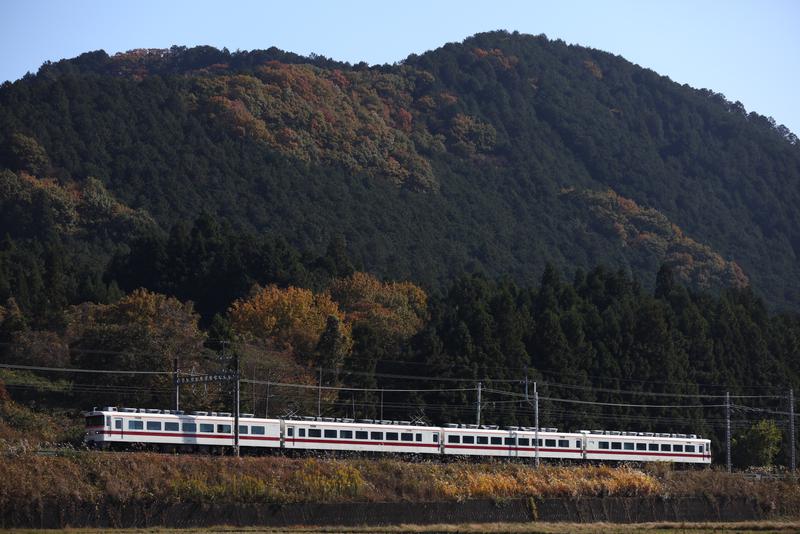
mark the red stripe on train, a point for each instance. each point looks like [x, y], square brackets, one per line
[182, 435]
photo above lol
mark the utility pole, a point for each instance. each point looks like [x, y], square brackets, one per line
[266, 413]
[175, 374]
[236, 391]
[728, 429]
[536, 418]
[381, 405]
[319, 395]
[792, 459]
[536, 421]
[478, 411]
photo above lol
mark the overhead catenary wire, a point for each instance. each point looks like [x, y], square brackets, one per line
[81, 370]
[343, 388]
[398, 390]
[395, 376]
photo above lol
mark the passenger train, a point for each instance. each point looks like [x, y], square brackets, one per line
[173, 430]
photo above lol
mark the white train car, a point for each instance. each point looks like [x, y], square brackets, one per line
[400, 437]
[170, 430]
[643, 447]
[511, 442]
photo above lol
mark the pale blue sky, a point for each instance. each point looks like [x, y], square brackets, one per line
[748, 50]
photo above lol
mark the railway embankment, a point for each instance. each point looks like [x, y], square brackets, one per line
[91, 489]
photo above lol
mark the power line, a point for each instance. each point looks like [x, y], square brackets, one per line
[77, 370]
[343, 388]
[619, 404]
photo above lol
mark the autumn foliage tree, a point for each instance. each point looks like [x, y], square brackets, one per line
[144, 331]
[293, 318]
[287, 333]
[397, 309]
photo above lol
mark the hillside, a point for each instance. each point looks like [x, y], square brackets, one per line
[501, 208]
[453, 160]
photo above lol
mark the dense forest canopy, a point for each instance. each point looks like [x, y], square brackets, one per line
[494, 155]
[504, 206]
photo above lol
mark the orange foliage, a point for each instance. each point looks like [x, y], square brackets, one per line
[593, 69]
[293, 318]
[396, 308]
[356, 119]
[168, 323]
[404, 119]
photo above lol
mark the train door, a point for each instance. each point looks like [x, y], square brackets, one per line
[513, 450]
[118, 426]
[287, 434]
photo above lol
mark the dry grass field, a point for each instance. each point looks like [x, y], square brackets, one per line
[126, 477]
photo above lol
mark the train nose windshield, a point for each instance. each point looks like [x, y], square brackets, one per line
[94, 420]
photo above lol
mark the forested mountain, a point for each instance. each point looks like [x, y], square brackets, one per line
[493, 155]
[416, 218]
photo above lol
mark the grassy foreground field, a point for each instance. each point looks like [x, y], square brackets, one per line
[93, 477]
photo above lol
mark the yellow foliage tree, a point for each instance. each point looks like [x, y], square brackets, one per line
[398, 309]
[292, 318]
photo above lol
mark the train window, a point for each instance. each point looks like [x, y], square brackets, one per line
[690, 448]
[563, 443]
[190, 427]
[154, 425]
[94, 420]
[301, 432]
[257, 430]
[549, 443]
[510, 441]
[628, 446]
[171, 427]
[224, 429]
[108, 420]
[468, 439]
[314, 433]
[346, 434]
[496, 441]
[652, 447]
[391, 436]
[603, 444]
[453, 439]
[699, 448]
[290, 431]
[616, 445]
[206, 427]
[376, 435]
[242, 429]
[135, 425]
[419, 437]
[524, 442]
[407, 436]
[641, 446]
[578, 444]
[118, 423]
[665, 447]
[330, 433]
[677, 448]
[362, 434]
[483, 440]
[436, 438]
